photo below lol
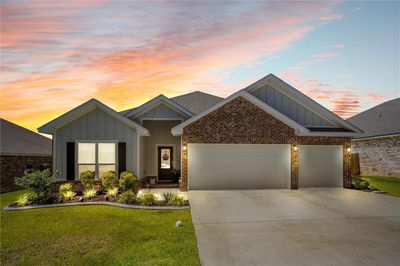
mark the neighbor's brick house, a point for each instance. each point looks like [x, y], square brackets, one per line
[21, 149]
[378, 148]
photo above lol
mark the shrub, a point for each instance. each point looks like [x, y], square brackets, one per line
[128, 181]
[39, 182]
[359, 183]
[167, 196]
[68, 195]
[108, 179]
[176, 200]
[127, 197]
[112, 193]
[87, 179]
[89, 193]
[148, 199]
[25, 199]
[64, 188]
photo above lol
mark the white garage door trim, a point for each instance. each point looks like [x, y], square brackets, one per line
[266, 165]
[320, 166]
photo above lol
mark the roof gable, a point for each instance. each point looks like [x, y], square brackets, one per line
[346, 130]
[85, 108]
[161, 99]
[322, 116]
[17, 140]
[178, 130]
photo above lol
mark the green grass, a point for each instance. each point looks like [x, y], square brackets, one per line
[387, 183]
[95, 235]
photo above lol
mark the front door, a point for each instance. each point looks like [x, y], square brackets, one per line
[165, 166]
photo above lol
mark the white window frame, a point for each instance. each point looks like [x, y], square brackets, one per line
[96, 167]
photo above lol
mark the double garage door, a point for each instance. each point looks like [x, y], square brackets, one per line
[247, 166]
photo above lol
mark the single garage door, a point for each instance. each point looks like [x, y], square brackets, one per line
[238, 166]
[320, 166]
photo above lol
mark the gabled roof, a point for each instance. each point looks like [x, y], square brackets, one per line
[348, 129]
[196, 101]
[381, 120]
[178, 130]
[16, 140]
[85, 108]
[301, 98]
[153, 103]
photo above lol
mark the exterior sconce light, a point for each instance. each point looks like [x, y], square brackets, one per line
[348, 149]
[184, 147]
[295, 147]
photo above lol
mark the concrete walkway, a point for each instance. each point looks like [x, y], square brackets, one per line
[296, 227]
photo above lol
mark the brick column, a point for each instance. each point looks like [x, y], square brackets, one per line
[184, 171]
[346, 165]
[294, 167]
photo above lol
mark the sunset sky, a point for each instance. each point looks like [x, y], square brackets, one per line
[55, 55]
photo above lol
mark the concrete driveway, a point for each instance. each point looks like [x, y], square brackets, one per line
[296, 227]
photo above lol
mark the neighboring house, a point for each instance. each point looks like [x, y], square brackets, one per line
[268, 135]
[20, 150]
[378, 148]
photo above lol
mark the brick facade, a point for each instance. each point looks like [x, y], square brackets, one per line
[379, 156]
[240, 121]
[14, 166]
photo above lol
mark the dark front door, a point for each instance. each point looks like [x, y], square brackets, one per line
[165, 158]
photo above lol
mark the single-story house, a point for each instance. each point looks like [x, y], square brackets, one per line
[268, 135]
[21, 150]
[378, 147]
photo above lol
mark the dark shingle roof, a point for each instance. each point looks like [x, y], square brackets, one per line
[16, 140]
[383, 119]
[197, 101]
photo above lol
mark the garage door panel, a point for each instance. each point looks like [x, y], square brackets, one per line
[238, 166]
[320, 165]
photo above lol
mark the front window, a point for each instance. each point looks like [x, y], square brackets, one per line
[106, 157]
[97, 157]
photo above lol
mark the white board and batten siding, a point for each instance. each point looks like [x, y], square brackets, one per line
[320, 166]
[289, 107]
[95, 125]
[238, 166]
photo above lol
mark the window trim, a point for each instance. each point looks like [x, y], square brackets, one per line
[96, 164]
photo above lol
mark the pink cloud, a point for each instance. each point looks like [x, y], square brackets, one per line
[137, 51]
[326, 55]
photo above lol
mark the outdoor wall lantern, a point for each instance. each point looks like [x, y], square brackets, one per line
[184, 147]
[348, 149]
[295, 147]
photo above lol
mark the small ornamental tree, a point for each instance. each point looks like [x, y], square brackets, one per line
[40, 183]
[109, 180]
[87, 179]
[128, 181]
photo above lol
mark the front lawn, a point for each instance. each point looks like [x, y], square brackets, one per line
[387, 183]
[95, 235]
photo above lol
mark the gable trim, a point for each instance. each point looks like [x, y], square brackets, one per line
[92, 104]
[302, 99]
[161, 99]
[178, 130]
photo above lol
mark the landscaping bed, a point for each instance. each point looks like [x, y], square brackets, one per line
[110, 190]
[378, 184]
